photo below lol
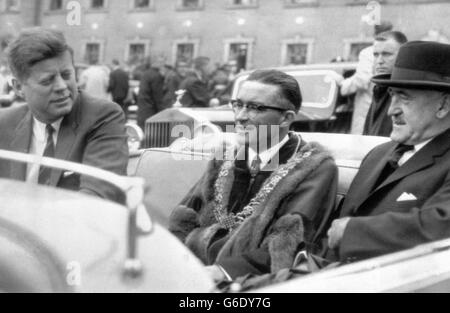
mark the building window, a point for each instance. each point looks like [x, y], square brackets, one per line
[185, 50]
[354, 47]
[300, 3]
[98, 4]
[56, 5]
[363, 2]
[136, 53]
[238, 52]
[190, 4]
[242, 3]
[12, 5]
[296, 51]
[92, 53]
[141, 4]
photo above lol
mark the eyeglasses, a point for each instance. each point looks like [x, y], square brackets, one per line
[253, 107]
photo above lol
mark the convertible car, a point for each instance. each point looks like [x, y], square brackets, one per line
[69, 242]
[60, 241]
[171, 171]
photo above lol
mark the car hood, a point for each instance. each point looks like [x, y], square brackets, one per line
[85, 239]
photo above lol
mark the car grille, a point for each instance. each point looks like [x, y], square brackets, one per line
[159, 134]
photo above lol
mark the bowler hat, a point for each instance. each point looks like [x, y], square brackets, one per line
[419, 65]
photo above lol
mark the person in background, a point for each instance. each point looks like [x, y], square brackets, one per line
[150, 97]
[7, 95]
[95, 80]
[195, 85]
[171, 85]
[119, 85]
[359, 83]
[385, 50]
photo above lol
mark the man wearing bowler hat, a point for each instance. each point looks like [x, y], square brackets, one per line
[400, 197]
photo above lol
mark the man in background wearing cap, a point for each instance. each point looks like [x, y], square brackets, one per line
[400, 197]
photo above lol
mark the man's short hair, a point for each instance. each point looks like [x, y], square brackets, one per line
[200, 62]
[32, 46]
[384, 26]
[395, 35]
[288, 85]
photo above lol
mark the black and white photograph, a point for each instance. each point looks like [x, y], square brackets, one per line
[224, 151]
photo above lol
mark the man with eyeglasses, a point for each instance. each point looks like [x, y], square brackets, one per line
[259, 203]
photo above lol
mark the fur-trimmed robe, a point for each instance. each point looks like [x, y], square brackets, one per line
[296, 211]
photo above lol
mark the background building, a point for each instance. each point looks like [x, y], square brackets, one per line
[253, 33]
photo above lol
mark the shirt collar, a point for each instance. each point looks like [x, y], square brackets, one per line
[419, 146]
[39, 131]
[267, 155]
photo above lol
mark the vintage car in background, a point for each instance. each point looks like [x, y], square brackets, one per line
[323, 109]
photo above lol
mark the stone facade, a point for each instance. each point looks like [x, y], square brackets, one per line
[256, 33]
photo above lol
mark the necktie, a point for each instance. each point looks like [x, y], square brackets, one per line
[255, 167]
[392, 163]
[399, 151]
[44, 172]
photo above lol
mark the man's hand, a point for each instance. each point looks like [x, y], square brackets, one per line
[336, 232]
[338, 78]
[216, 273]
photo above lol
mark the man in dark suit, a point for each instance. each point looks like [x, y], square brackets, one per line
[195, 85]
[385, 50]
[400, 197]
[150, 97]
[119, 85]
[58, 120]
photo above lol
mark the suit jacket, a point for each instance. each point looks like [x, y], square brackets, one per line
[118, 85]
[197, 94]
[293, 215]
[150, 98]
[378, 122]
[382, 223]
[92, 134]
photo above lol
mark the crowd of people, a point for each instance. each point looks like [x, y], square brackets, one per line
[258, 205]
[161, 86]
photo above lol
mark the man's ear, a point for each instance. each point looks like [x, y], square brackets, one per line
[444, 106]
[288, 119]
[18, 87]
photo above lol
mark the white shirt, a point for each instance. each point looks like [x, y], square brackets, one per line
[409, 154]
[37, 146]
[360, 84]
[267, 155]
